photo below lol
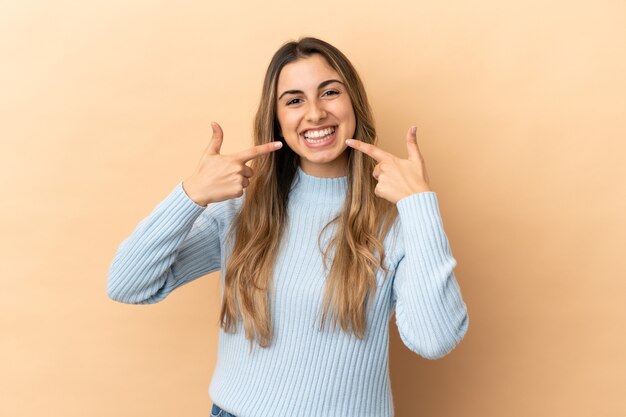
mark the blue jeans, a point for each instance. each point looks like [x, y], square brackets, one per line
[216, 411]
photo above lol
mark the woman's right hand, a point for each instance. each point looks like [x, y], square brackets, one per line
[222, 177]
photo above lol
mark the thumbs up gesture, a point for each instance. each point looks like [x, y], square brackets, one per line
[397, 178]
[222, 177]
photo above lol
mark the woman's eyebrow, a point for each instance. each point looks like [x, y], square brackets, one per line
[322, 85]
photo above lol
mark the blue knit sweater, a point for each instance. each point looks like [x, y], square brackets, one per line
[305, 372]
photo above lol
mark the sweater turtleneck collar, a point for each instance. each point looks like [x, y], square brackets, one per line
[317, 190]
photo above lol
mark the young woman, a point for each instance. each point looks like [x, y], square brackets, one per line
[305, 226]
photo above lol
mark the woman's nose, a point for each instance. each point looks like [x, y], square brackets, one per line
[315, 112]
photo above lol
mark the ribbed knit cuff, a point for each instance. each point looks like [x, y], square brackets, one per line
[180, 185]
[178, 204]
[422, 208]
[422, 223]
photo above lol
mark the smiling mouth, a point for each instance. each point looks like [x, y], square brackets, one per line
[319, 136]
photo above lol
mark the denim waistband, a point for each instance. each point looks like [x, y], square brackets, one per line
[217, 411]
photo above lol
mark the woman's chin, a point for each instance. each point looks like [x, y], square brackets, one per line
[332, 162]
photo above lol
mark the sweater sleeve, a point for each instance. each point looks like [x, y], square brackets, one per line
[177, 243]
[431, 315]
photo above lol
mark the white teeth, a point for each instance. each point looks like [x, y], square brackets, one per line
[316, 140]
[318, 133]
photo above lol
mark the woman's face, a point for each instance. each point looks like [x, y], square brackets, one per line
[315, 115]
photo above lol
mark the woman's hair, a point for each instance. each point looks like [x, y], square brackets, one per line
[362, 224]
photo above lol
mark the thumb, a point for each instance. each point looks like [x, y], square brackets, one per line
[411, 144]
[215, 144]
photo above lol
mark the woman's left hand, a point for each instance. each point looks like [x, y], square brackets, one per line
[397, 178]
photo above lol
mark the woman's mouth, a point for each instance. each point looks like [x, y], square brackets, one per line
[319, 138]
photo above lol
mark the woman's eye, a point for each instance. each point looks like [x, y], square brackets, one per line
[329, 92]
[292, 101]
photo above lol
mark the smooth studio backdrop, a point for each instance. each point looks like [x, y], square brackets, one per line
[520, 106]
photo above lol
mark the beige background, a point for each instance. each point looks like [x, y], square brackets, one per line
[520, 107]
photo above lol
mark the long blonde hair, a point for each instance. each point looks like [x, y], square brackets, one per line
[362, 224]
